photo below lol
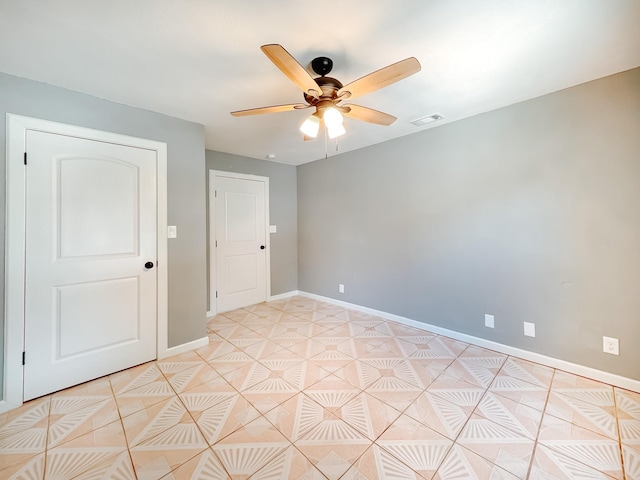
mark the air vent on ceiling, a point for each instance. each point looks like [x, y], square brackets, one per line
[434, 117]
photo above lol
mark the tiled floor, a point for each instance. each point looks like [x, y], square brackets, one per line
[298, 389]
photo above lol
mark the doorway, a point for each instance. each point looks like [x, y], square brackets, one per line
[86, 255]
[238, 240]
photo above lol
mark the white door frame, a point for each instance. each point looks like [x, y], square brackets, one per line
[17, 127]
[213, 306]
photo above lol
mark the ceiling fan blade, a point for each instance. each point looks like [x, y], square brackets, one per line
[292, 69]
[380, 78]
[370, 115]
[272, 109]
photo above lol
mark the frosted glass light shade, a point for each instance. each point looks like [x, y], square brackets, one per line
[336, 131]
[332, 118]
[311, 126]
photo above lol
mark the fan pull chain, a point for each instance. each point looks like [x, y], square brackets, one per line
[326, 144]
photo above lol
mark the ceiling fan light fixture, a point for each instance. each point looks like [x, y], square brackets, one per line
[311, 126]
[332, 117]
[335, 132]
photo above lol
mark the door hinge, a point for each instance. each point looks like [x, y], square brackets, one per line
[216, 294]
[24, 354]
[216, 243]
[25, 158]
[215, 194]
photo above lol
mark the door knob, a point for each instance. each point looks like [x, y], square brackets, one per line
[148, 265]
[261, 247]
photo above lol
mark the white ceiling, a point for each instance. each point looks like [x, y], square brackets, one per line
[200, 59]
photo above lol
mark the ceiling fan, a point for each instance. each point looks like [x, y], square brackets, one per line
[325, 94]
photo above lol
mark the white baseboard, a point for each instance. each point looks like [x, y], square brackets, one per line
[211, 313]
[6, 406]
[185, 347]
[282, 296]
[577, 369]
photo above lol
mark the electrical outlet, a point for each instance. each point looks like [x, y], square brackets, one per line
[489, 320]
[341, 288]
[529, 329]
[610, 345]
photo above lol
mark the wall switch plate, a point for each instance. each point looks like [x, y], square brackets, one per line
[172, 231]
[272, 229]
[529, 329]
[489, 320]
[341, 288]
[611, 345]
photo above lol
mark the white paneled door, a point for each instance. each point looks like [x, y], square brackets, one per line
[240, 241]
[90, 273]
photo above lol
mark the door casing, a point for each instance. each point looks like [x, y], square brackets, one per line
[17, 127]
[212, 234]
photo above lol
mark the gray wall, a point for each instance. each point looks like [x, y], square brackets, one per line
[282, 212]
[530, 213]
[186, 187]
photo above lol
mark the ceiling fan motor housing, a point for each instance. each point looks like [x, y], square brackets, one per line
[329, 89]
[322, 65]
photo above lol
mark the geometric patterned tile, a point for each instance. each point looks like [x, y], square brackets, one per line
[191, 377]
[116, 467]
[205, 465]
[584, 389]
[376, 348]
[549, 464]
[415, 445]
[154, 420]
[143, 397]
[461, 463]
[30, 469]
[250, 448]
[400, 330]
[73, 416]
[287, 465]
[388, 374]
[332, 391]
[446, 344]
[429, 369]
[457, 391]
[473, 351]
[378, 464]
[224, 418]
[98, 388]
[23, 433]
[520, 391]
[416, 346]
[583, 445]
[497, 444]
[30, 415]
[631, 458]
[95, 450]
[368, 415]
[440, 414]
[332, 445]
[529, 372]
[515, 416]
[427, 347]
[296, 416]
[177, 363]
[305, 389]
[160, 454]
[135, 377]
[601, 420]
[628, 410]
[370, 329]
[479, 370]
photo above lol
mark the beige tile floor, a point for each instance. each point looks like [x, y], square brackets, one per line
[299, 389]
